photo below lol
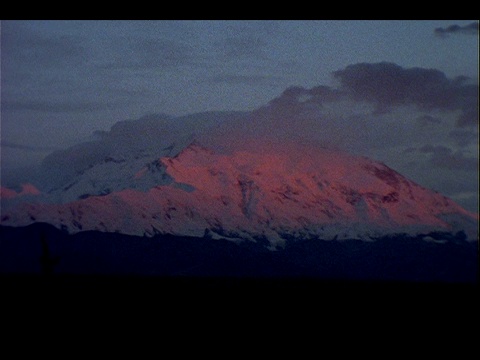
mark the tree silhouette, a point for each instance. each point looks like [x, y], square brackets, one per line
[47, 261]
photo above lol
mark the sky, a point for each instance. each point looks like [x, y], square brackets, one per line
[402, 92]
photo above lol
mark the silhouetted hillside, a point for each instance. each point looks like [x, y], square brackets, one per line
[398, 258]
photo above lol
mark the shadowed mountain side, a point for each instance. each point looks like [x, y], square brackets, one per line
[396, 259]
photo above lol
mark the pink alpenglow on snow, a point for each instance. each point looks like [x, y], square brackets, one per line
[6, 193]
[274, 191]
[27, 189]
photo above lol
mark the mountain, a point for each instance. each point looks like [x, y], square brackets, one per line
[268, 193]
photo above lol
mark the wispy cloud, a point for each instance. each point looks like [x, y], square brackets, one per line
[144, 54]
[426, 120]
[244, 79]
[470, 29]
[463, 138]
[55, 107]
[444, 157]
[296, 98]
[240, 47]
[35, 49]
[7, 144]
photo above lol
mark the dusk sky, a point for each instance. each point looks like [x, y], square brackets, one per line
[401, 92]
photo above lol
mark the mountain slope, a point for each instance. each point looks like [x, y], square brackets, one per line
[265, 191]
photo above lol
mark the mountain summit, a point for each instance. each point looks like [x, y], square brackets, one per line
[264, 191]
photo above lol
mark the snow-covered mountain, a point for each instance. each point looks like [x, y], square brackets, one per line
[263, 191]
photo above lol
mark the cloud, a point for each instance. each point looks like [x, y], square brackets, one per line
[37, 64]
[162, 52]
[469, 116]
[388, 85]
[151, 53]
[426, 120]
[347, 116]
[240, 47]
[7, 144]
[53, 107]
[463, 138]
[444, 157]
[470, 29]
[409, 150]
[39, 50]
[288, 104]
[296, 99]
[243, 79]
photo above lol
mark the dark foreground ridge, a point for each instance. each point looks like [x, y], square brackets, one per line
[41, 249]
[42, 268]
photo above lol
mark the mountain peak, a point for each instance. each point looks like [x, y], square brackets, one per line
[194, 147]
[274, 191]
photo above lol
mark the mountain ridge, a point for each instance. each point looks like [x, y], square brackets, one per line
[394, 258]
[272, 191]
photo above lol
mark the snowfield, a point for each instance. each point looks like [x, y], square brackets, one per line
[274, 192]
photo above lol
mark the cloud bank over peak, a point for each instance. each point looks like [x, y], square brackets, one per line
[381, 88]
[388, 85]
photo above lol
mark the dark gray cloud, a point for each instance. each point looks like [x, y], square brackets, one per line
[288, 104]
[244, 79]
[463, 138]
[239, 47]
[299, 96]
[388, 85]
[246, 39]
[7, 144]
[38, 50]
[410, 150]
[144, 54]
[470, 29]
[297, 102]
[321, 94]
[426, 120]
[469, 115]
[40, 67]
[444, 157]
[53, 107]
